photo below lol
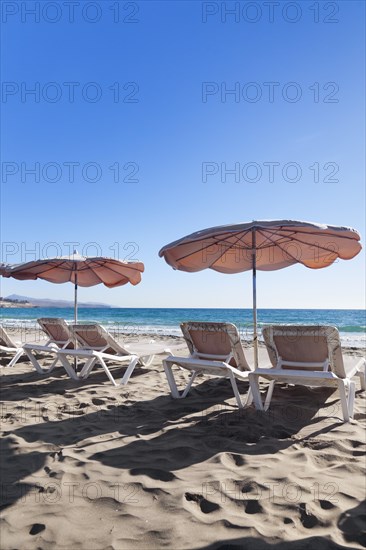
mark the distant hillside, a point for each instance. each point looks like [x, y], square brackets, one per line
[47, 302]
[9, 303]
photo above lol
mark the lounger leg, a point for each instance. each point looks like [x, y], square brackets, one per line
[34, 361]
[53, 365]
[146, 360]
[107, 371]
[351, 398]
[16, 357]
[362, 377]
[68, 368]
[249, 398]
[344, 401]
[87, 368]
[127, 374]
[269, 395]
[254, 385]
[235, 390]
[129, 370]
[172, 384]
[171, 380]
[249, 395]
[189, 385]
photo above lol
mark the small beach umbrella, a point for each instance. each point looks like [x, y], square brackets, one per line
[80, 270]
[264, 245]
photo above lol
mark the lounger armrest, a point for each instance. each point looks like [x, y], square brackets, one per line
[288, 373]
[9, 350]
[93, 353]
[359, 366]
[205, 366]
[119, 358]
[77, 352]
[38, 347]
[176, 360]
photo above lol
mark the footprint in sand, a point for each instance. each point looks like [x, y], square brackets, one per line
[326, 505]
[58, 456]
[358, 453]
[37, 528]
[205, 505]
[232, 459]
[96, 401]
[287, 520]
[50, 473]
[253, 507]
[307, 519]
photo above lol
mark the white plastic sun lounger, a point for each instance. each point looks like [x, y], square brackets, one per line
[215, 349]
[99, 346]
[9, 347]
[309, 356]
[59, 337]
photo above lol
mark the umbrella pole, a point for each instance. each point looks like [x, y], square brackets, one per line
[76, 316]
[76, 299]
[254, 268]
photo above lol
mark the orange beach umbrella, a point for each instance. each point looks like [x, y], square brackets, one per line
[264, 245]
[80, 270]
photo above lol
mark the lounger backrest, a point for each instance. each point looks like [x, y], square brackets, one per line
[94, 336]
[220, 341]
[57, 330]
[5, 339]
[305, 344]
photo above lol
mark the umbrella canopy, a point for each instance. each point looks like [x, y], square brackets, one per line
[278, 244]
[265, 245]
[80, 270]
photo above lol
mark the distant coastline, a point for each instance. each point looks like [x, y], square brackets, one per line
[17, 301]
[9, 304]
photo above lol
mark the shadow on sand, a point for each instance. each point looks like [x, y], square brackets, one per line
[188, 431]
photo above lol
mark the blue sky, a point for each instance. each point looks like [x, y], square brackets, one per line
[149, 97]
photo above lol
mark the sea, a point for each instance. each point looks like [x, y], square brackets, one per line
[351, 323]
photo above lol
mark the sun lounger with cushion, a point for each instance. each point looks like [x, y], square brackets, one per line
[215, 349]
[59, 337]
[99, 346]
[309, 356]
[8, 346]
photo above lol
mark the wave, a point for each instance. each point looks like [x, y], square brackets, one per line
[165, 322]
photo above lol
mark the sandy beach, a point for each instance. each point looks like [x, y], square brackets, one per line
[170, 168]
[86, 465]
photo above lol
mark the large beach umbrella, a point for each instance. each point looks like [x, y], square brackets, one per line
[264, 245]
[80, 270]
